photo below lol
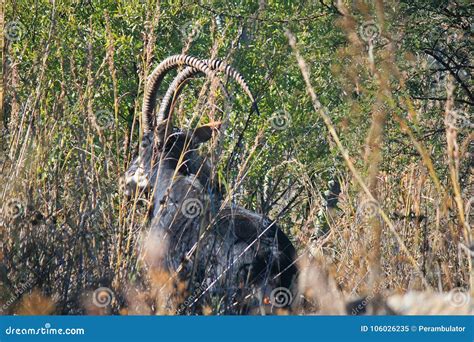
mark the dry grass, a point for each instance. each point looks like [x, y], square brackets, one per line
[402, 224]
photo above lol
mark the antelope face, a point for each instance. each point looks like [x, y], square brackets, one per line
[178, 153]
[137, 177]
[160, 151]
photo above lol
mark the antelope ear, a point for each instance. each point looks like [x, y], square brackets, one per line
[204, 133]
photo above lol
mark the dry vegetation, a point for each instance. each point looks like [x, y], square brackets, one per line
[70, 121]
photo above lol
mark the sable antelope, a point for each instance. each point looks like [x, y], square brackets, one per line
[238, 256]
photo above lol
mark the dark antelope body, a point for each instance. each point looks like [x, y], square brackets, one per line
[237, 257]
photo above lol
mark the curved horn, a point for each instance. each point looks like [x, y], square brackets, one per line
[229, 71]
[174, 90]
[154, 82]
[207, 67]
[176, 86]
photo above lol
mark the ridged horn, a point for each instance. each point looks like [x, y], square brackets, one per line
[174, 90]
[154, 81]
[176, 86]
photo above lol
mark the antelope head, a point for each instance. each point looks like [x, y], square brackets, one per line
[166, 151]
